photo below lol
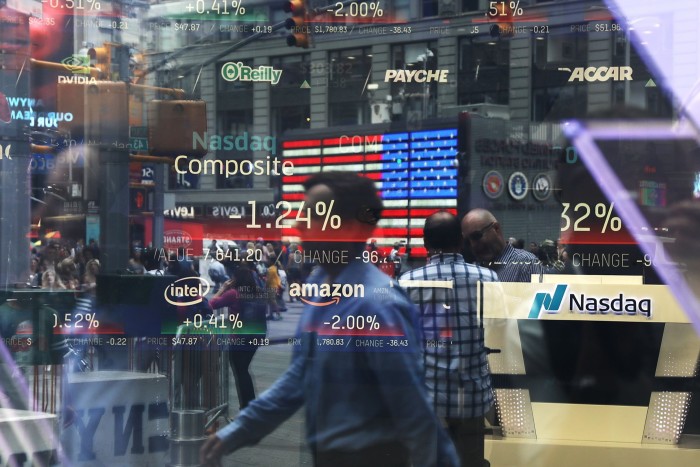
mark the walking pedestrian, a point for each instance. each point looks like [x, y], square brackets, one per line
[241, 296]
[365, 406]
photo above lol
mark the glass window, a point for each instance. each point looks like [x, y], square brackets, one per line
[162, 262]
[348, 72]
[418, 100]
[554, 97]
[291, 96]
[471, 5]
[429, 8]
[238, 125]
[484, 71]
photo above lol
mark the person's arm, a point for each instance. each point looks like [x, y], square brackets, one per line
[401, 381]
[230, 297]
[261, 417]
[223, 297]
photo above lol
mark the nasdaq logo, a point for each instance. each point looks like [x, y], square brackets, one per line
[550, 302]
[593, 74]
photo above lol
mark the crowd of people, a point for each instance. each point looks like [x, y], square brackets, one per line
[64, 266]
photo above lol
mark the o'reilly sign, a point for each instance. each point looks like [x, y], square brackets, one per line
[236, 71]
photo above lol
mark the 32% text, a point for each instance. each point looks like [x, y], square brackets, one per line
[600, 210]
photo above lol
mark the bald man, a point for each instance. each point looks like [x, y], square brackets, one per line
[483, 231]
[456, 371]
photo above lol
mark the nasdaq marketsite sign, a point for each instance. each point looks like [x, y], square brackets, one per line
[582, 302]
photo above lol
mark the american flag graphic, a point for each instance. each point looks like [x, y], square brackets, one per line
[415, 172]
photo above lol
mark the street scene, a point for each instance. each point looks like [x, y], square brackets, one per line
[354, 233]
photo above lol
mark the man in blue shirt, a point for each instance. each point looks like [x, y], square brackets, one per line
[457, 372]
[366, 402]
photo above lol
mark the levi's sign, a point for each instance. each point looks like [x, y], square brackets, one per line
[415, 76]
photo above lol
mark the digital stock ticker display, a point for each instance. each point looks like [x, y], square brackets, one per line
[386, 232]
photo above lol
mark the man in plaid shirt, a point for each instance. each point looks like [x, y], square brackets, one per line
[457, 373]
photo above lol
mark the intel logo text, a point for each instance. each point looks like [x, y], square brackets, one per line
[178, 295]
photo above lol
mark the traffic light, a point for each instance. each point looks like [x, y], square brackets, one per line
[101, 58]
[175, 126]
[296, 23]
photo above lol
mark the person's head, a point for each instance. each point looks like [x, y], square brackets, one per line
[92, 267]
[51, 253]
[519, 244]
[67, 272]
[548, 251]
[534, 248]
[483, 232]
[442, 233]
[355, 201]
[150, 259]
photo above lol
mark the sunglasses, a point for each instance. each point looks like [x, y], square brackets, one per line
[477, 235]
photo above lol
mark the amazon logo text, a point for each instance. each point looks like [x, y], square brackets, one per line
[332, 293]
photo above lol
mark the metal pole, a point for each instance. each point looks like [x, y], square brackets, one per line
[159, 205]
[15, 189]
